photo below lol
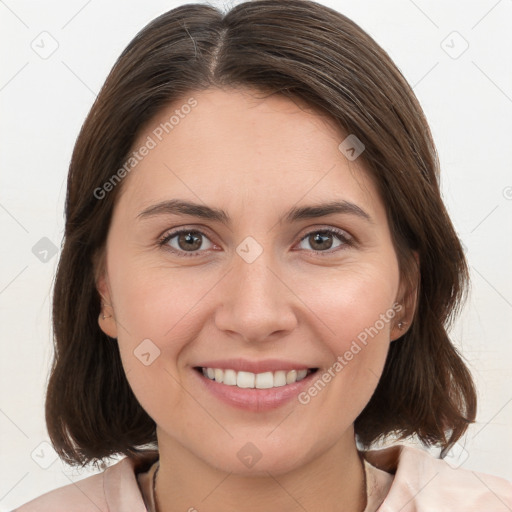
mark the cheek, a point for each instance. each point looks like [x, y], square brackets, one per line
[155, 301]
[157, 310]
[356, 308]
[153, 329]
[355, 302]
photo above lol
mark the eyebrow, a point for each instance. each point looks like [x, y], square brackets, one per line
[181, 207]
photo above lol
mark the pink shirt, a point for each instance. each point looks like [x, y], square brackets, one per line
[399, 479]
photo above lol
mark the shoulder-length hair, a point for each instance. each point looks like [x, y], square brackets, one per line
[306, 51]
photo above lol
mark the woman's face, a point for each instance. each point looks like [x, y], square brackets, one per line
[261, 288]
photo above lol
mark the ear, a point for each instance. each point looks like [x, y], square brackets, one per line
[106, 319]
[408, 299]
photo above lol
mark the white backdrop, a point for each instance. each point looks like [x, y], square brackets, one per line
[55, 57]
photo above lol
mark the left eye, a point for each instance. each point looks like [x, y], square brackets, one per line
[324, 237]
[190, 241]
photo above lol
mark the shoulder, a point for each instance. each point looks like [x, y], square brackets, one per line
[82, 496]
[114, 490]
[423, 483]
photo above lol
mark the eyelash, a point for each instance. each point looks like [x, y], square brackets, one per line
[341, 235]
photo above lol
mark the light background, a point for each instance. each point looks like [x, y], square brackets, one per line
[467, 99]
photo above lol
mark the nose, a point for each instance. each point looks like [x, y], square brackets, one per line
[255, 303]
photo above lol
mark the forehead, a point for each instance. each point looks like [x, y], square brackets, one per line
[237, 143]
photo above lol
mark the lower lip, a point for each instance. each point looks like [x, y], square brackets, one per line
[252, 399]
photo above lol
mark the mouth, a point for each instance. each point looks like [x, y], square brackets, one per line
[249, 380]
[254, 392]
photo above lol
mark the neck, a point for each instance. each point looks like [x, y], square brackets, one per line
[334, 481]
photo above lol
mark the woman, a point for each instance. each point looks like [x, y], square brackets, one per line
[257, 279]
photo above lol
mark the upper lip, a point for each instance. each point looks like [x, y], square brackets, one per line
[245, 365]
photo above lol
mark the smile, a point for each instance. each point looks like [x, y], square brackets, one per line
[265, 380]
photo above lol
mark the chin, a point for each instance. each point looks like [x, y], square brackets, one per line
[254, 458]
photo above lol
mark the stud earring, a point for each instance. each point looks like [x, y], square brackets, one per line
[103, 316]
[401, 325]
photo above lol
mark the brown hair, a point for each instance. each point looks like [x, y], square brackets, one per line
[305, 51]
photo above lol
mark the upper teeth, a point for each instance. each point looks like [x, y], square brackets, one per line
[254, 380]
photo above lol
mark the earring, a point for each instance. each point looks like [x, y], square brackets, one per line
[103, 316]
[401, 325]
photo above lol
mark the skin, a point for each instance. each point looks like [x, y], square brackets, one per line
[255, 158]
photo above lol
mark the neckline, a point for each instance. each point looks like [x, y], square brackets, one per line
[377, 483]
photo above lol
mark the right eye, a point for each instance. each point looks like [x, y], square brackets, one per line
[187, 241]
